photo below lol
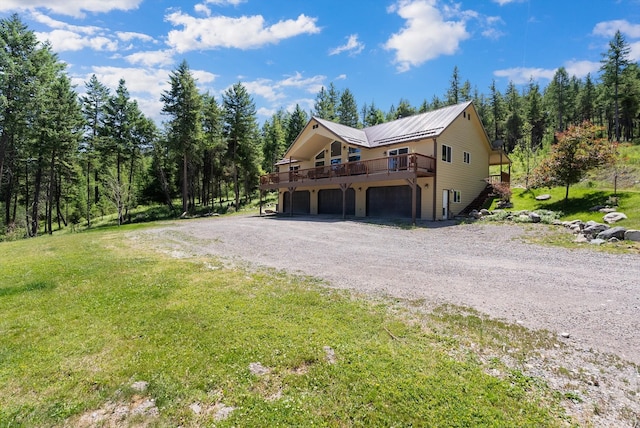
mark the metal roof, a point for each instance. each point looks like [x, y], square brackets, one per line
[416, 127]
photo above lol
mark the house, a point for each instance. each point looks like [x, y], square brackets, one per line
[429, 166]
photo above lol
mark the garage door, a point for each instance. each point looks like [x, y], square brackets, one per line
[391, 201]
[330, 202]
[301, 202]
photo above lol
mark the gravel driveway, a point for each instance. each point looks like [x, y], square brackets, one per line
[592, 296]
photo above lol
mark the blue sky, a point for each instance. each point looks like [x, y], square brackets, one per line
[284, 51]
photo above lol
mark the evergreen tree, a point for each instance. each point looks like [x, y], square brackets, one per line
[94, 104]
[240, 130]
[513, 126]
[183, 104]
[274, 141]
[404, 109]
[348, 109]
[326, 104]
[614, 61]
[453, 93]
[297, 121]
[215, 148]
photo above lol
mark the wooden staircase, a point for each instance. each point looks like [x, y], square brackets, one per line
[479, 201]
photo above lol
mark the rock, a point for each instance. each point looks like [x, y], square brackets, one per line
[607, 210]
[597, 241]
[556, 222]
[475, 214]
[613, 240]
[535, 217]
[565, 335]
[140, 386]
[593, 228]
[581, 239]
[615, 232]
[544, 197]
[485, 211]
[503, 204]
[614, 217]
[524, 217]
[596, 208]
[258, 369]
[632, 235]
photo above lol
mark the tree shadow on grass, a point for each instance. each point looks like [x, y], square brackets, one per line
[577, 205]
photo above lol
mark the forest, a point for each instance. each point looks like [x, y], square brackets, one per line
[70, 155]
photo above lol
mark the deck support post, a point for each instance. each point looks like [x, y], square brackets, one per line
[260, 196]
[344, 187]
[413, 183]
[291, 192]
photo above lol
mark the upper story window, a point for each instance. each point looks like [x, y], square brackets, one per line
[336, 149]
[354, 154]
[466, 157]
[446, 153]
[320, 158]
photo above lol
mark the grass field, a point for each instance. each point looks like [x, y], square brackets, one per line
[85, 316]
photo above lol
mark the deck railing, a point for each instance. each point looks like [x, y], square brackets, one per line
[413, 162]
[503, 177]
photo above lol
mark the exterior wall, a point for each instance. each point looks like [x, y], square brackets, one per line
[462, 135]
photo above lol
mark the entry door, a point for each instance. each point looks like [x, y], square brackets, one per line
[445, 204]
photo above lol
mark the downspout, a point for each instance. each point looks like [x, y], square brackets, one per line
[435, 178]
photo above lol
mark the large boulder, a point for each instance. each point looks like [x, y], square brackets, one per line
[632, 235]
[544, 197]
[613, 217]
[593, 228]
[615, 232]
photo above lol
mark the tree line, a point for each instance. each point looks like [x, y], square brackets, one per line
[67, 159]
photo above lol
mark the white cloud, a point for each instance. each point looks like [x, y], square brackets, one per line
[274, 91]
[353, 46]
[581, 68]
[127, 36]
[144, 85]
[634, 51]
[63, 40]
[60, 25]
[74, 8]
[201, 8]
[246, 32]
[151, 58]
[503, 2]
[609, 28]
[426, 34]
[225, 2]
[522, 75]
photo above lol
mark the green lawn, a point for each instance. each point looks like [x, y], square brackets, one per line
[86, 315]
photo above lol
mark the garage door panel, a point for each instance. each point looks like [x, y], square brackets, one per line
[301, 202]
[392, 201]
[330, 201]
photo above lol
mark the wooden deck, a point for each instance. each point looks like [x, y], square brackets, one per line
[404, 166]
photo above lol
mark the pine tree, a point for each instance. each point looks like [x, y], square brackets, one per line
[240, 130]
[348, 109]
[614, 61]
[297, 121]
[183, 103]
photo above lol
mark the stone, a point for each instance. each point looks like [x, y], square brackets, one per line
[596, 208]
[615, 232]
[485, 211]
[581, 239]
[565, 335]
[597, 241]
[632, 235]
[593, 228]
[607, 210]
[613, 217]
[544, 197]
[535, 217]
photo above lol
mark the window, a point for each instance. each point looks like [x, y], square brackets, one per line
[336, 149]
[320, 159]
[396, 160]
[354, 154]
[294, 168]
[456, 196]
[446, 153]
[467, 157]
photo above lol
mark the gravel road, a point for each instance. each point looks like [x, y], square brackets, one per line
[592, 296]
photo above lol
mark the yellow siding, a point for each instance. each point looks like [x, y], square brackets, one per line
[462, 135]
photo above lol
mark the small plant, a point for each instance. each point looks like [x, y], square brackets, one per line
[503, 190]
